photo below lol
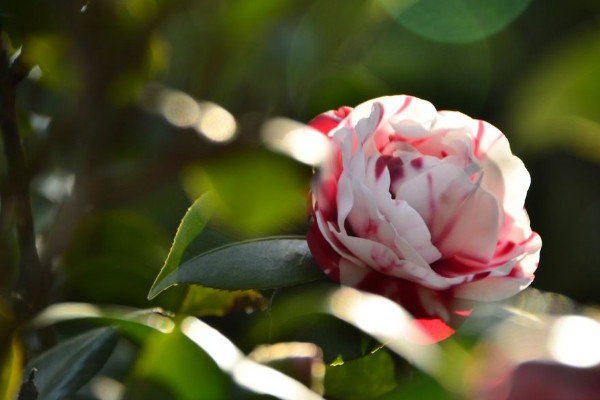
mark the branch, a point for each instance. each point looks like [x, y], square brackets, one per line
[31, 289]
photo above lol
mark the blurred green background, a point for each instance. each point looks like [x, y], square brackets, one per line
[130, 106]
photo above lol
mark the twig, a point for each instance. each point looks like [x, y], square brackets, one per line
[31, 289]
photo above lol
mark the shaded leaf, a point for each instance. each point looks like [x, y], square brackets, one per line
[256, 264]
[66, 367]
[364, 378]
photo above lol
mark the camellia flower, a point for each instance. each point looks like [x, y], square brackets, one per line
[422, 206]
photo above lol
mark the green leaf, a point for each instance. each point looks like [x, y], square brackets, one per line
[191, 225]
[133, 323]
[62, 370]
[247, 373]
[361, 379]
[258, 193]
[256, 264]
[420, 387]
[199, 300]
[204, 301]
[303, 314]
[173, 364]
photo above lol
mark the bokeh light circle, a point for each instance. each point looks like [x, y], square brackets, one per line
[455, 21]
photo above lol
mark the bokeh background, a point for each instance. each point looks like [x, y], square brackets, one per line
[133, 108]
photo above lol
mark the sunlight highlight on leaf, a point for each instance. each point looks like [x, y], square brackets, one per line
[301, 360]
[66, 311]
[389, 323]
[153, 318]
[197, 376]
[246, 373]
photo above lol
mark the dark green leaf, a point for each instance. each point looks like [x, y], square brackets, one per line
[63, 369]
[199, 300]
[257, 264]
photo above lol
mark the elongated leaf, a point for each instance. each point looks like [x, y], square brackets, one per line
[63, 369]
[258, 264]
[191, 225]
[136, 324]
[10, 370]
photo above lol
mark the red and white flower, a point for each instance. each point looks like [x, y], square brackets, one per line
[422, 206]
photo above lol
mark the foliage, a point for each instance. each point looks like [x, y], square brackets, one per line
[133, 137]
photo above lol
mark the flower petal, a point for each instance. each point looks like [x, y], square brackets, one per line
[504, 174]
[423, 191]
[329, 120]
[492, 288]
[351, 274]
[473, 234]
